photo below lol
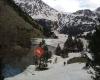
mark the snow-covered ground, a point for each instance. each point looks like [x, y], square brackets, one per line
[61, 40]
[85, 43]
[56, 71]
[52, 42]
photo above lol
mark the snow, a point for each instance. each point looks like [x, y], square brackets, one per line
[85, 33]
[53, 42]
[61, 40]
[56, 71]
[85, 43]
[89, 55]
[38, 9]
[52, 17]
[10, 71]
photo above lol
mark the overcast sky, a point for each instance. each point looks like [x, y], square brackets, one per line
[73, 5]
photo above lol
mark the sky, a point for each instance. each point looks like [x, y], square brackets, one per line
[73, 5]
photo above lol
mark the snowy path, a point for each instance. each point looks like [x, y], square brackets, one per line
[56, 71]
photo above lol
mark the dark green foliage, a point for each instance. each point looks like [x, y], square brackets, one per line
[69, 42]
[95, 40]
[94, 45]
[47, 26]
[97, 73]
[16, 30]
[64, 53]
[48, 33]
[1, 67]
[23, 38]
[77, 60]
[58, 50]
[72, 30]
[41, 62]
[23, 14]
[79, 45]
[89, 36]
[73, 45]
[47, 52]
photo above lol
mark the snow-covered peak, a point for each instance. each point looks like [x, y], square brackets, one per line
[80, 21]
[85, 12]
[98, 9]
[98, 12]
[37, 9]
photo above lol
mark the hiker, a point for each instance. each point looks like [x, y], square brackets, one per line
[64, 63]
[56, 60]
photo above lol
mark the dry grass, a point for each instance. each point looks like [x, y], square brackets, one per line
[76, 60]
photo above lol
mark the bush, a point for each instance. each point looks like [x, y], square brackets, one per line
[58, 50]
[77, 60]
[73, 45]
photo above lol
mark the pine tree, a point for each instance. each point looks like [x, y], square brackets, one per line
[75, 42]
[80, 45]
[43, 42]
[69, 43]
[94, 45]
[58, 50]
[46, 56]
[42, 61]
[65, 52]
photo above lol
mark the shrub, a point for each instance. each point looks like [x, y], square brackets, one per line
[76, 60]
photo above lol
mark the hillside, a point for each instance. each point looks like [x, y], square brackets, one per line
[16, 29]
[18, 16]
[37, 9]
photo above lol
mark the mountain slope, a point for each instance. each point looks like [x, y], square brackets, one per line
[37, 9]
[77, 22]
[98, 12]
[15, 34]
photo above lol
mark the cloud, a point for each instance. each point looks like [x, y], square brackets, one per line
[63, 5]
[73, 5]
[90, 4]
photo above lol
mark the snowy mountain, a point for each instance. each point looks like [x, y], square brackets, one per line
[98, 9]
[80, 21]
[98, 12]
[37, 9]
[70, 23]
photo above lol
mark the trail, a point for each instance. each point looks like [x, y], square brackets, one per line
[56, 71]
